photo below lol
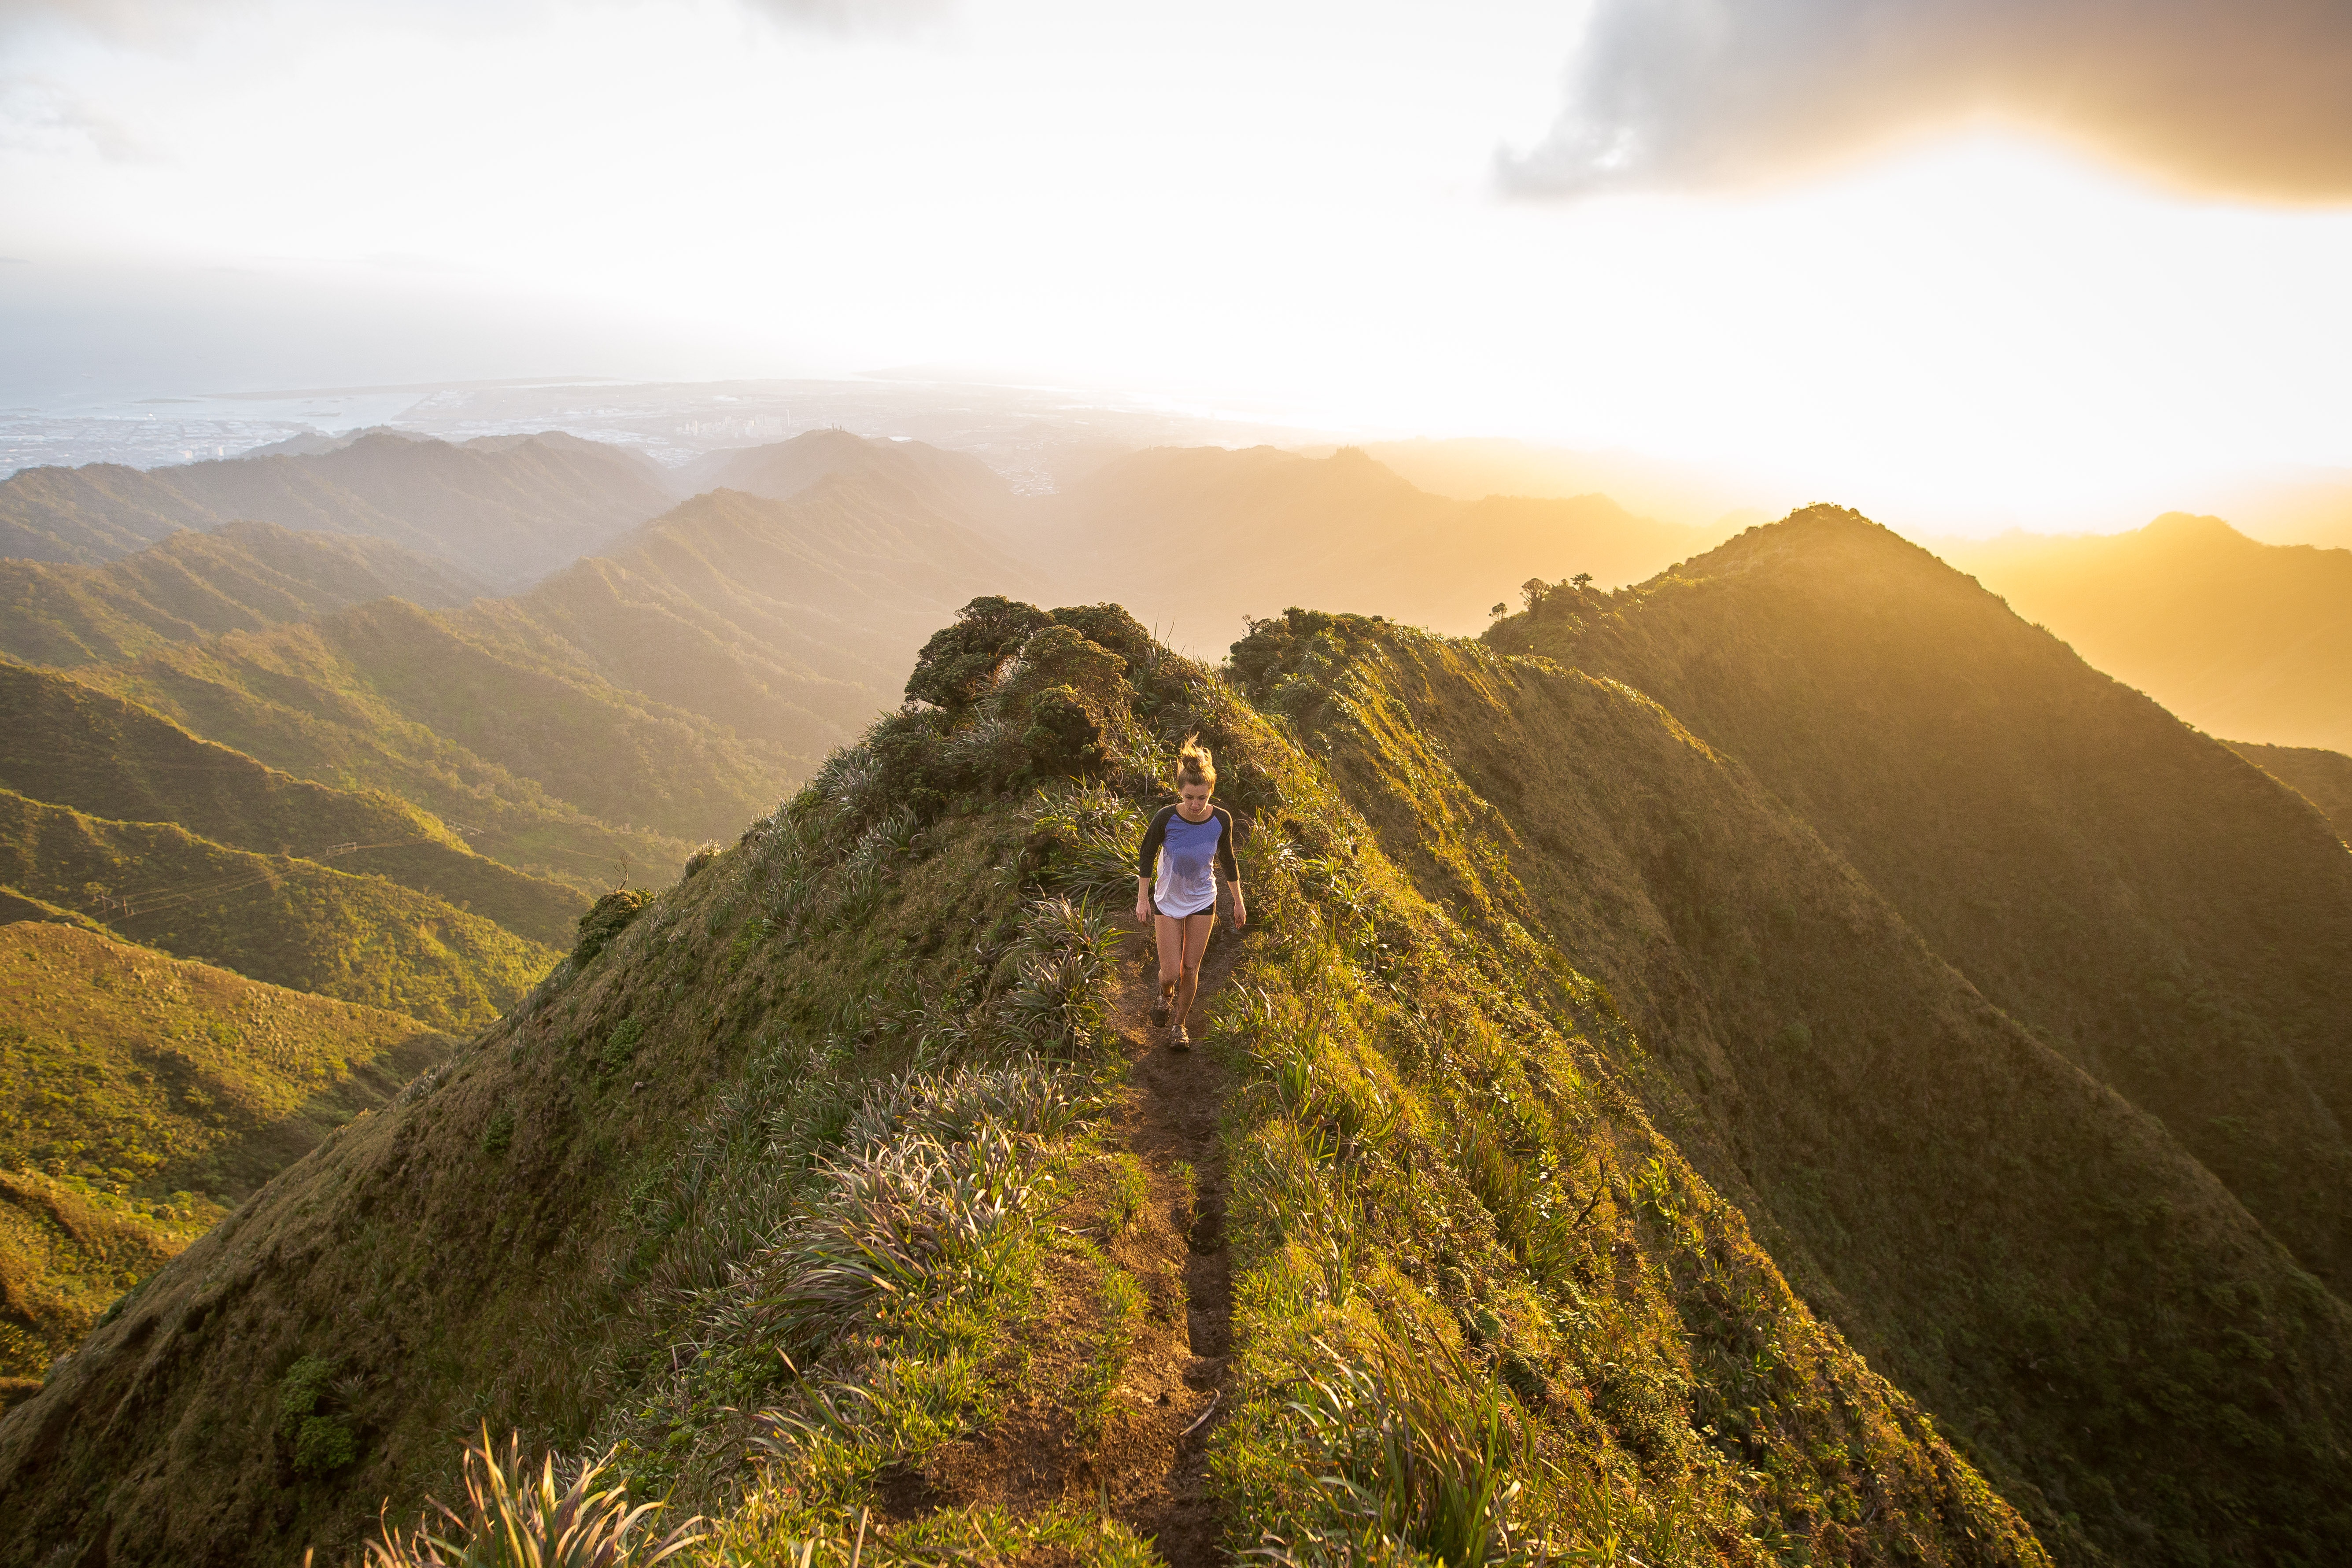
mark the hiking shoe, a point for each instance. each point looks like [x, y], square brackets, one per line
[1160, 1011]
[1179, 1039]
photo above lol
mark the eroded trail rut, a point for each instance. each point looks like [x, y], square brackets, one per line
[1167, 1120]
[1147, 1464]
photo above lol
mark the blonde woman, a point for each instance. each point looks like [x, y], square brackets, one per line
[1187, 848]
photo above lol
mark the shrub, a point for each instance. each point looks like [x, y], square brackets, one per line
[959, 663]
[323, 1446]
[605, 920]
[515, 1520]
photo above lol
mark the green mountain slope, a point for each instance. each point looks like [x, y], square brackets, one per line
[1582, 1121]
[192, 585]
[291, 923]
[145, 1093]
[563, 774]
[809, 1014]
[1195, 539]
[2237, 638]
[76, 747]
[630, 705]
[2321, 777]
[2150, 905]
[506, 510]
[795, 620]
[2043, 1268]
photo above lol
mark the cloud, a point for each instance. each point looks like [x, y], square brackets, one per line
[853, 15]
[2249, 100]
[38, 114]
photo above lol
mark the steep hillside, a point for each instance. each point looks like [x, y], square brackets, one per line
[194, 585]
[563, 773]
[795, 620]
[954, 485]
[2043, 1268]
[288, 921]
[2149, 904]
[2323, 778]
[1196, 539]
[146, 1093]
[2237, 638]
[507, 511]
[73, 746]
[845, 1154]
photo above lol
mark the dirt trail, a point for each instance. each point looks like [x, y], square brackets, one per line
[1148, 1466]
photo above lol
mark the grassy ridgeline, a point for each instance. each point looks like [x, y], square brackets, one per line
[2321, 777]
[829, 1098]
[1549, 1233]
[287, 921]
[2060, 1284]
[148, 1096]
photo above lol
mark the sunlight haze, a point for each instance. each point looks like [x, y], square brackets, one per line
[1306, 209]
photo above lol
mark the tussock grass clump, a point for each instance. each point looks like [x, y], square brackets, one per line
[514, 1519]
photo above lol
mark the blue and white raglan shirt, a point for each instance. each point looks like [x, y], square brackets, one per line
[1191, 856]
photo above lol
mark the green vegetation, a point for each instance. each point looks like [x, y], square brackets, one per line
[2323, 778]
[2129, 891]
[146, 1096]
[98, 755]
[1588, 1122]
[191, 585]
[289, 922]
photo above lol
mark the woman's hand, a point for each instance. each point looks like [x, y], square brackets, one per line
[1142, 912]
[1241, 910]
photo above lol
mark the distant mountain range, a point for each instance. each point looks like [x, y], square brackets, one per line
[2245, 640]
[1194, 539]
[506, 510]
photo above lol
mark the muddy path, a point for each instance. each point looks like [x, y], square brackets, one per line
[1145, 1460]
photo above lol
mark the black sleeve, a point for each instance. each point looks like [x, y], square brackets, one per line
[1225, 861]
[1147, 859]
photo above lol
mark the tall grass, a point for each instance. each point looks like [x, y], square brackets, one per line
[514, 1519]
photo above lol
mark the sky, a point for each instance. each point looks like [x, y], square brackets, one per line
[2061, 263]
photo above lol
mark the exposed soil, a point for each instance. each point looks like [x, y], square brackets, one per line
[1148, 1466]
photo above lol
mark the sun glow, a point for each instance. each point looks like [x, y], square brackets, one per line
[1280, 209]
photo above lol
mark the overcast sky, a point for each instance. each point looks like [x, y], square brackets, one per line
[2044, 261]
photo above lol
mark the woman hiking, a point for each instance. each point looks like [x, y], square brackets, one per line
[1187, 848]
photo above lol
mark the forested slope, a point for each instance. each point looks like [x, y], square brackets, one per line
[238, 577]
[292, 922]
[2151, 905]
[73, 746]
[148, 1095]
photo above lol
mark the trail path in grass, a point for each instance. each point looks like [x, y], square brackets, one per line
[1147, 1465]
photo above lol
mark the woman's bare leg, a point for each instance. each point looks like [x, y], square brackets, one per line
[1195, 946]
[1169, 934]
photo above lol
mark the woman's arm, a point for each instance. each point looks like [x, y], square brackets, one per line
[1147, 863]
[1230, 867]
